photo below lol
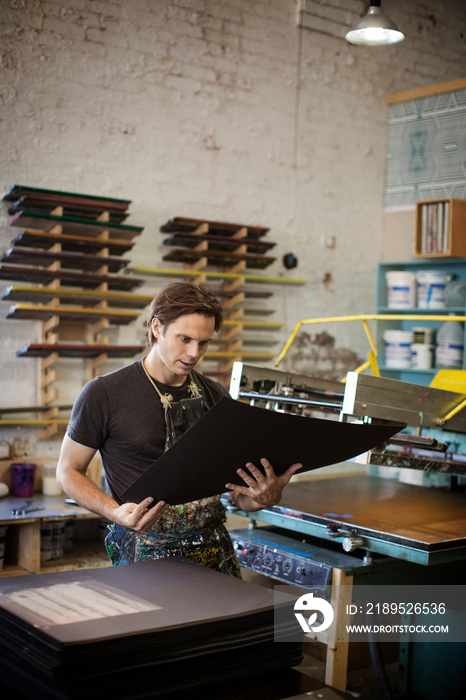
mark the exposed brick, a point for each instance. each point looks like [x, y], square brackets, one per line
[324, 25]
[224, 39]
[107, 8]
[60, 27]
[225, 10]
[338, 14]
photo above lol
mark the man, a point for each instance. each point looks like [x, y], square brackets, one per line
[135, 413]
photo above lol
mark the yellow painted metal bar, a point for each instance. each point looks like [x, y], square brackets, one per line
[372, 354]
[453, 412]
[362, 367]
[364, 318]
[253, 324]
[370, 337]
[289, 342]
[257, 355]
[373, 364]
[215, 275]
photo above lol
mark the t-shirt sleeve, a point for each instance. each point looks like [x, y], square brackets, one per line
[89, 417]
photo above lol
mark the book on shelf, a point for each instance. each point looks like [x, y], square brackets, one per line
[435, 226]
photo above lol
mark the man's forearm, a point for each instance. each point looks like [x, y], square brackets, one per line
[88, 494]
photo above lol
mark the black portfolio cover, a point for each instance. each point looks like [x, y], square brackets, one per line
[233, 433]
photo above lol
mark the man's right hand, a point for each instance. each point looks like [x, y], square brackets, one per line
[72, 477]
[139, 516]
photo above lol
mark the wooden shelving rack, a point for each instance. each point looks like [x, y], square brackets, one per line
[232, 249]
[71, 223]
[75, 303]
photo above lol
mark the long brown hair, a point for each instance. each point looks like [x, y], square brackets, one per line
[180, 299]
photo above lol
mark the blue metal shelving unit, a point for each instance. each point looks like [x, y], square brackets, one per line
[456, 267]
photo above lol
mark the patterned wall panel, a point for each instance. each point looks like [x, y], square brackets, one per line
[426, 156]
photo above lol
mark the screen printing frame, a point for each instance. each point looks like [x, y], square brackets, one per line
[392, 399]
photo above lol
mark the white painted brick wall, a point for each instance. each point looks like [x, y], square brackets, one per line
[188, 107]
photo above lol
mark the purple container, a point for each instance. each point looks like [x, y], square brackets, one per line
[22, 479]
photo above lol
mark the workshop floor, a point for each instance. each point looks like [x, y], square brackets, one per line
[361, 682]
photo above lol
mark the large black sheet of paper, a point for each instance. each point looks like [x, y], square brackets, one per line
[232, 433]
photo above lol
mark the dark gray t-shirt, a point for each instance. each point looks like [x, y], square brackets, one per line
[121, 415]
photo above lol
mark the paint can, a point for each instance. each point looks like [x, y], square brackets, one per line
[50, 485]
[422, 356]
[431, 289]
[423, 335]
[52, 539]
[22, 479]
[401, 289]
[398, 349]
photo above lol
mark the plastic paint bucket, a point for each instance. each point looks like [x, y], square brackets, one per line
[431, 289]
[422, 356]
[423, 335]
[22, 479]
[398, 349]
[50, 485]
[401, 289]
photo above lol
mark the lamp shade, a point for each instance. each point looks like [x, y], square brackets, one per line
[375, 29]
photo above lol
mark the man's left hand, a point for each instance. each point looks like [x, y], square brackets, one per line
[263, 490]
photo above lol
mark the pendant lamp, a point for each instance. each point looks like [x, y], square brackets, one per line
[375, 29]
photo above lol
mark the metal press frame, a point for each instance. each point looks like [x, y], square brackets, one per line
[371, 362]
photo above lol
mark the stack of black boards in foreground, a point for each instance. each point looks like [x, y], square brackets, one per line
[152, 629]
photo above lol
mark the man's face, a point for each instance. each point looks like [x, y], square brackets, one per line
[181, 344]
